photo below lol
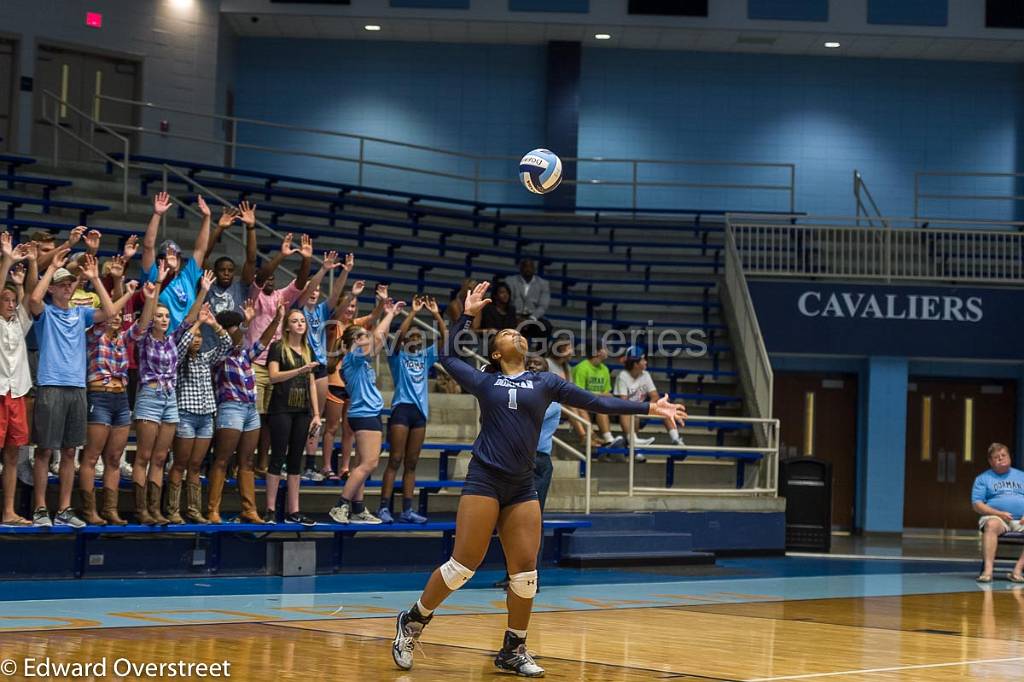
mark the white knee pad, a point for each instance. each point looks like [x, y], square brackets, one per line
[523, 584]
[454, 574]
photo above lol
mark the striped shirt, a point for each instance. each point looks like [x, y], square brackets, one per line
[108, 358]
[236, 381]
[158, 358]
[195, 386]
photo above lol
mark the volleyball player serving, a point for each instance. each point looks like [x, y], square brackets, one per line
[499, 487]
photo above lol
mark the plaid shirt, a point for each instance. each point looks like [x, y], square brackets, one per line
[195, 388]
[158, 359]
[108, 358]
[235, 379]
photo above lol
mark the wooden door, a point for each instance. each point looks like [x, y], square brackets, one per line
[950, 424]
[7, 59]
[818, 416]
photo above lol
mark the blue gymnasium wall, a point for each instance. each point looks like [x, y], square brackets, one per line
[484, 99]
[886, 118]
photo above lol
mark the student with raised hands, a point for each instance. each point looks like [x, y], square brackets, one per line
[61, 405]
[179, 289]
[410, 364]
[360, 348]
[156, 406]
[15, 379]
[197, 405]
[317, 314]
[238, 423]
[230, 291]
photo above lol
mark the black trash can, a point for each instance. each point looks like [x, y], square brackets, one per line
[806, 483]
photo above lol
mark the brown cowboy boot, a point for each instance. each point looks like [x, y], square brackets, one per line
[153, 492]
[247, 491]
[174, 503]
[215, 478]
[109, 512]
[141, 506]
[193, 512]
[89, 514]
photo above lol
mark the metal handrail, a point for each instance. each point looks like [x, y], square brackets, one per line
[859, 187]
[93, 124]
[919, 195]
[362, 162]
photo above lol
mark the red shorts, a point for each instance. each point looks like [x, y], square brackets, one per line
[13, 421]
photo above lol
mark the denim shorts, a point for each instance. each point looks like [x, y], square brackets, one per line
[109, 409]
[156, 405]
[232, 414]
[193, 425]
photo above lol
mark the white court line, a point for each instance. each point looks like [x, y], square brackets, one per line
[890, 557]
[900, 668]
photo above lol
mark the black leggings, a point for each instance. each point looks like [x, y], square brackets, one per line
[288, 434]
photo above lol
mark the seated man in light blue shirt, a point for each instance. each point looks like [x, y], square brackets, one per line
[998, 495]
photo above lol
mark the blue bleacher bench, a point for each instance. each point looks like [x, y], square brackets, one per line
[47, 184]
[682, 453]
[13, 162]
[84, 210]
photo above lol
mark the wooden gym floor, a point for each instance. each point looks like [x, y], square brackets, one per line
[975, 634]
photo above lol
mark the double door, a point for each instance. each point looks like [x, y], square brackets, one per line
[76, 78]
[950, 424]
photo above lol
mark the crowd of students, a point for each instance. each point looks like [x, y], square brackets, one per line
[192, 357]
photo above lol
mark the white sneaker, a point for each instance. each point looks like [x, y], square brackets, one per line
[126, 469]
[340, 514]
[641, 442]
[55, 463]
[99, 467]
[310, 475]
[679, 442]
[366, 517]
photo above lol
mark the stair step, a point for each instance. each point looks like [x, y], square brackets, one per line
[627, 541]
[593, 560]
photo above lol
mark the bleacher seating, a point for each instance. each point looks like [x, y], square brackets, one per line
[84, 210]
[13, 162]
[48, 185]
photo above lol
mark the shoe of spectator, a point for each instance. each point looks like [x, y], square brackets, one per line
[126, 469]
[641, 442]
[41, 518]
[384, 514]
[617, 442]
[311, 475]
[679, 441]
[365, 517]
[341, 513]
[300, 518]
[67, 517]
[55, 463]
[99, 467]
[638, 458]
[411, 517]
[270, 516]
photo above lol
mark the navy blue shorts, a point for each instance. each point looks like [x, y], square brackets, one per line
[506, 488]
[366, 423]
[407, 414]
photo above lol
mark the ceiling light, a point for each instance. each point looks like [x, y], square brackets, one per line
[832, 44]
[602, 36]
[372, 27]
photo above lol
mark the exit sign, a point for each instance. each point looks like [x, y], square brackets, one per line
[94, 19]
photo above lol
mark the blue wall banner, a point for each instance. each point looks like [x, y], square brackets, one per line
[901, 321]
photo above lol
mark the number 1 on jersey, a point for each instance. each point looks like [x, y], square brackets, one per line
[512, 405]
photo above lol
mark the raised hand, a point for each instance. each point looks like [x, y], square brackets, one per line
[77, 234]
[358, 287]
[161, 203]
[228, 215]
[7, 245]
[286, 246]
[162, 270]
[249, 310]
[131, 247]
[149, 290]
[247, 212]
[305, 246]
[203, 208]
[430, 303]
[475, 301]
[131, 287]
[331, 260]
[393, 307]
[60, 257]
[350, 262]
[206, 315]
[666, 408]
[207, 280]
[17, 275]
[381, 291]
[89, 267]
[417, 304]
[116, 267]
[20, 252]
[92, 240]
[30, 250]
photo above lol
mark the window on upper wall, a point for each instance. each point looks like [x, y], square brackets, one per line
[1004, 14]
[310, 2]
[674, 8]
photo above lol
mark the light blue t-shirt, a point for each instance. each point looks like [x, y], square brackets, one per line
[179, 295]
[62, 354]
[361, 383]
[316, 330]
[1005, 493]
[410, 370]
[552, 416]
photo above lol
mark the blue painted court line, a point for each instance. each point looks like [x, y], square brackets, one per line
[314, 603]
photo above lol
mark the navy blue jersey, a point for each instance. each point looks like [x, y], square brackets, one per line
[512, 408]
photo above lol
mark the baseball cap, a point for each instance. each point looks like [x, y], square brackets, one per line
[169, 245]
